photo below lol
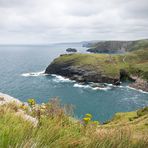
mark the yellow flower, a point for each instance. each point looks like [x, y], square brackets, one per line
[88, 116]
[23, 106]
[96, 122]
[31, 102]
[86, 119]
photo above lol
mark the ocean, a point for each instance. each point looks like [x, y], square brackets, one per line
[22, 76]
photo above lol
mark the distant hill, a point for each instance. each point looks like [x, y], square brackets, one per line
[116, 46]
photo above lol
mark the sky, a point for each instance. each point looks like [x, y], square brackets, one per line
[53, 21]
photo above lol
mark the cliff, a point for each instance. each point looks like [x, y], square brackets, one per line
[116, 46]
[102, 68]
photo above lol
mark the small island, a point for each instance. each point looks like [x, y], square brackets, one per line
[71, 50]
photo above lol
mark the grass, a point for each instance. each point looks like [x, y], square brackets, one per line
[59, 130]
[139, 44]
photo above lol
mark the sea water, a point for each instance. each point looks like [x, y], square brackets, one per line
[22, 76]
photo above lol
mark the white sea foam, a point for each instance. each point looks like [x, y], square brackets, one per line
[90, 87]
[102, 88]
[81, 86]
[34, 74]
[137, 89]
[58, 78]
[108, 84]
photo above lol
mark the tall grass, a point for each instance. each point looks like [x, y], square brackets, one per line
[58, 130]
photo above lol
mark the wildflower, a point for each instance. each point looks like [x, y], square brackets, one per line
[23, 106]
[31, 102]
[88, 116]
[96, 122]
[86, 120]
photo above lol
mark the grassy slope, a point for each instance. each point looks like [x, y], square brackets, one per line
[135, 62]
[58, 130]
[139, 44]
[137, 121]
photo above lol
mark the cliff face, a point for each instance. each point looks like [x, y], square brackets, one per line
[80, 73]
[116, 46]
[86, 68]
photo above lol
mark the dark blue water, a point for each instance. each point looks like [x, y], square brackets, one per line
[18, 60]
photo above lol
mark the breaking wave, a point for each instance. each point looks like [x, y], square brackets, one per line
[34, 74]
[90, 87]
[58, 78]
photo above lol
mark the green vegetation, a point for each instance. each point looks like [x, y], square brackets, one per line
[114, 46]
[136, 121]
[58, 129]
[139, 44]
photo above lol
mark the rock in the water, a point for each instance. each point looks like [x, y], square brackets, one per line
[71, 50]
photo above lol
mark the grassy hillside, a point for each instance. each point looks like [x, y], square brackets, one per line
[135, 63]
[60, 130]
[139, 44]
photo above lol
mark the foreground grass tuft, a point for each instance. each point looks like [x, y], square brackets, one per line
[59, 130]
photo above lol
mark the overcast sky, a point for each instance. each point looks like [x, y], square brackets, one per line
[49, 21]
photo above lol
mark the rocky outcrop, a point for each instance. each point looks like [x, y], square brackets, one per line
[7, 100]
[103, 68]
[79, 74]
[140, 84]
[71, 50]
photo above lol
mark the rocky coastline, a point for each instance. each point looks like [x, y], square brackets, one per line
[80, 74]
[84, 76]
[67, 66]
[140, 84]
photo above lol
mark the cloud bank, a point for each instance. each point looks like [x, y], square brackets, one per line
[48, 21]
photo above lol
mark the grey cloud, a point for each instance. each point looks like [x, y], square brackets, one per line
[44, 21]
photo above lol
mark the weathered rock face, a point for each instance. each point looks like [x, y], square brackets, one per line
[140, 84]
[79, 74]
